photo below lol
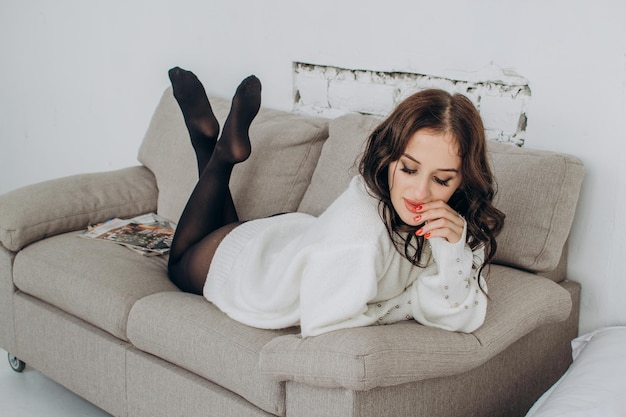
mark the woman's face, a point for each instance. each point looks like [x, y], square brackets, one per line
[429, 170]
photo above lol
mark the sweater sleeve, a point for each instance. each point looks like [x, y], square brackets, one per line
[447, 294]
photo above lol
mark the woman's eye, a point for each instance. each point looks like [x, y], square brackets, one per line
[407, 170]
[442, 182]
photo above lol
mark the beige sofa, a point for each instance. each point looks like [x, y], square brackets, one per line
[108, 324]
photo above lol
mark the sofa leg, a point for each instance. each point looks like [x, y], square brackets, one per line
[16, 364]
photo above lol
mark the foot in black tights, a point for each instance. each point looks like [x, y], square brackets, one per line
[234, 143]
[201, 123]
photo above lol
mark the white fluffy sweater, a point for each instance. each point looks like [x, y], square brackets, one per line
[341, 270]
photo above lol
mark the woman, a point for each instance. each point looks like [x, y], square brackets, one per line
[407, 240]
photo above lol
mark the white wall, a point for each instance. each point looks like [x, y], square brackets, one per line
[79, 81]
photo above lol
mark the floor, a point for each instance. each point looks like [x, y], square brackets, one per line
[30, 394]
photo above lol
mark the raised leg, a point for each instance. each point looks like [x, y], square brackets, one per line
[201, 123]
[203, 215]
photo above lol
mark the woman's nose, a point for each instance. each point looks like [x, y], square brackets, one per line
[421, 190]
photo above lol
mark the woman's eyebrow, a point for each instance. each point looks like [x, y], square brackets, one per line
[439, 169]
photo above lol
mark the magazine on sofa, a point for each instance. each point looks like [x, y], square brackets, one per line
[148, 234]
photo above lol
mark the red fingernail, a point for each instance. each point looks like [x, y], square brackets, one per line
[427, 235]
[419, 232]
[417, 218]
[418, 208]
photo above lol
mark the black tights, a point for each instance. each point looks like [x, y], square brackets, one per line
[210, 206]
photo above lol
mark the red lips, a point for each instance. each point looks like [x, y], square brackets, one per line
[412, 206]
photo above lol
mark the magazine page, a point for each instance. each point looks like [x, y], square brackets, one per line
[148, 234]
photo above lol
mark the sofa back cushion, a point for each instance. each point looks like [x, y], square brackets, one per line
[338, 162]
[285, 149]
[537, 190]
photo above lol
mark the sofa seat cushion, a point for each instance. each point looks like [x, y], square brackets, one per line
[188, 331]
[94, 280]
[377, 356]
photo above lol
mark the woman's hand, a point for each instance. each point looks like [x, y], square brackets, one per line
[439, 221]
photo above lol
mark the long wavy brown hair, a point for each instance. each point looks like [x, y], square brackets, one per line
[440, 112]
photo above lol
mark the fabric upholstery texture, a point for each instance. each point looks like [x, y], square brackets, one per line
[72, 203]
[159, 388]
[538, 191]
[285, 147]
[7, 328]
[186, 330]
[94, 280]
[338, 162]
[364, 358]
[499, 387]
[53, 342]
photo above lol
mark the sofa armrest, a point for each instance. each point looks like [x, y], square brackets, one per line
[368, 357]
[57, 206]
